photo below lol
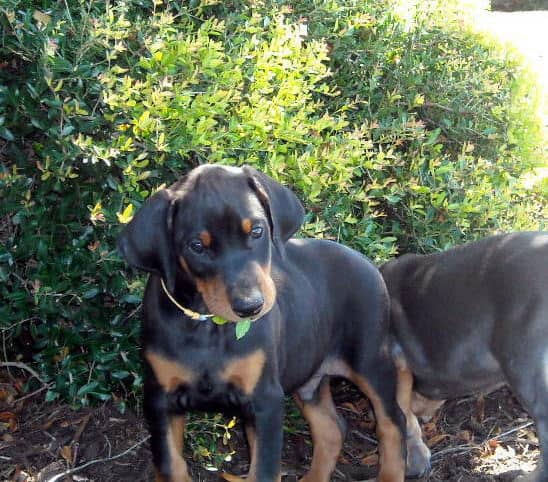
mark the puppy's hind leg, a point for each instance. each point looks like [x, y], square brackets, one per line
[418, 454]
[327, 432]
[525, 364]
[375, 376]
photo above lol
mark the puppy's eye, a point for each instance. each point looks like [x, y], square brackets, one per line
[256, 232]
[196, 246]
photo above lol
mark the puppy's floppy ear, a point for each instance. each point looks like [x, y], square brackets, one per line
[146, 242]
[283, 208]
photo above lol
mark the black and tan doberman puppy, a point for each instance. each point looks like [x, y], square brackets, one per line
[218, 242]
[468, 320]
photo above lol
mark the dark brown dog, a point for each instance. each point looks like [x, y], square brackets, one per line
[219, 242]
[468, 320]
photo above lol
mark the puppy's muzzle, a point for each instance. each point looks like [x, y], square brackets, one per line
[249, 305]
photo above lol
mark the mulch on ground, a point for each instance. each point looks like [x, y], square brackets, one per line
[475, 439]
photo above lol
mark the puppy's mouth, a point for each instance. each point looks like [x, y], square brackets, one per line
[233, 317]
[251, 306]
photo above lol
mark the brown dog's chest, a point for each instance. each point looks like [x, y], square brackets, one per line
[205, 378]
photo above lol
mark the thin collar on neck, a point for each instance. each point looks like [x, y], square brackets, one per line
[193, 315]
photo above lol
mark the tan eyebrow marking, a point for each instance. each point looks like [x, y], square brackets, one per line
[205, 236]
[246, 225]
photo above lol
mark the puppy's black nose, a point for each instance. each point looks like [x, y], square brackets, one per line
[248, 306]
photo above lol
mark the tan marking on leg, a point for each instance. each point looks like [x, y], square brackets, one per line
[205, 237]
[424, 407]
[233, 478]
[418, 454]
[245, 372]
[246, 225]
[252, 442]
[178, 466]
[252, 473]
[391, 461]
[327, 438]
[169, 373]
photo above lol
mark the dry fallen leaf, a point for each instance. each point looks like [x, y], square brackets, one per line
[350, 406]
[429, 429]
[493, 443]
[436, 439]
[66, 453]
[465, 435]
[371, 459]
[10, 419]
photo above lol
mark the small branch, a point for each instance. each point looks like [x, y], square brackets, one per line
[29, 395]
[469, 448]
[23, 366]
[57, 477]
[505, 434]
[364, 437]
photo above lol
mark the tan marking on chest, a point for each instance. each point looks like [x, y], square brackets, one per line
[245, 372]
[169, 373]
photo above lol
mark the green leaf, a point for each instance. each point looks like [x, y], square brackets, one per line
[91, 293]
[126, 216]
[87, 388]
[242, 327]
[218, 320]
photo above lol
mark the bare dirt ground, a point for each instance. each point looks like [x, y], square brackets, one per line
[489, 439]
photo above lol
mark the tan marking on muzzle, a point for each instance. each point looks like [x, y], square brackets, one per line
[215, 296]
[215, 293]
[184, 265]
[169, 373]
[245, 372]
[267, 286]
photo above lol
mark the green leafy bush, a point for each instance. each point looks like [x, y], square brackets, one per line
[399, 128]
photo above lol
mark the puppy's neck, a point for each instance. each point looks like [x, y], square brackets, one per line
[186, 294]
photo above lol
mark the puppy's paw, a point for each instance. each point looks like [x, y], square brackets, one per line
[418, 459]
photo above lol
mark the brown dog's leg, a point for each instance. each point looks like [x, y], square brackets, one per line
[251, 441]
[389, 433]
[327, 434]
[418, 454]
[178, 471]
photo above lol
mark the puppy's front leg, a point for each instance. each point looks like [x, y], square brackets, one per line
[267, 406]
[166, 437]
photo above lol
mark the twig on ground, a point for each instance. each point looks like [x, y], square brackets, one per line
[505, 434]
[80, 430]
[459, 449]
[57, 477]
[23, 366]
[36, 392]
[469, 447]
[364, 437]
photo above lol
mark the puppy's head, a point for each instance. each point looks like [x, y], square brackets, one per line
[217, 226]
